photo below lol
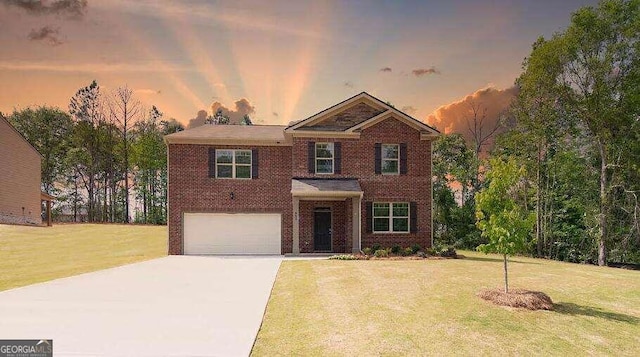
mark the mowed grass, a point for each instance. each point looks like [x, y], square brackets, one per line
[397, 308]
[31, 255]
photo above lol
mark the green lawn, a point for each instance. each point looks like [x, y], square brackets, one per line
[324, 307]
[31, 255]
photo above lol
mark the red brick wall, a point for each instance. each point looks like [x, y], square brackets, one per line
[19, 178]
[191, 189]
[340, 225]
[358, 161]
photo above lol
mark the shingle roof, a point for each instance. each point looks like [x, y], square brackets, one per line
[231, 134]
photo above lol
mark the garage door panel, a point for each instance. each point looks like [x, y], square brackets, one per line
[226, 233]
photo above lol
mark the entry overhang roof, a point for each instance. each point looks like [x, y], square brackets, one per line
[326, 188]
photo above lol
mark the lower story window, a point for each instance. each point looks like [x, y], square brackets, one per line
[390, 217]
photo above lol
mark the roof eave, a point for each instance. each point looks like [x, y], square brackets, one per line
[209, 141]
[303, 193]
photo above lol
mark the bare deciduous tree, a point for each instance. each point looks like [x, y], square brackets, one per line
[126, 110]
[478, 126]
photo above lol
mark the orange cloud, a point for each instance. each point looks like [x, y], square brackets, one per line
[456, 117]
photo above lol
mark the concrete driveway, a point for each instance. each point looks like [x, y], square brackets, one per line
[173, 306]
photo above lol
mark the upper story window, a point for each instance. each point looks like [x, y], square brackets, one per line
[390, 159]
[324, 158]
[233, 164]
[390, 217]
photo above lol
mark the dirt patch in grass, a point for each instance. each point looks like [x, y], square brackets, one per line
[532, 300]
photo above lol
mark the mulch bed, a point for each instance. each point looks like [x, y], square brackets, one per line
[531, 300]
[408, 257]
[395, 257]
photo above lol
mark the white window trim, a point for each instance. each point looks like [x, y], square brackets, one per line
[234, 165]
[333, 156]
[391, 217]
[383, 159]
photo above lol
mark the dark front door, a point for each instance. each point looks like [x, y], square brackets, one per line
[322, 231]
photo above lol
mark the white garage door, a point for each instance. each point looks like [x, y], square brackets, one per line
[232, 233]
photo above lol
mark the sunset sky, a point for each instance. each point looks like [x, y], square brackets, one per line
[287, 60]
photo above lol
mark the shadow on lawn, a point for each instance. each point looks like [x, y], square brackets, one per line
[572, 309]
[487, 259]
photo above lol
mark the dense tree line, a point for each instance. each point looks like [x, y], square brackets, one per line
[101, 152]
[573, 134]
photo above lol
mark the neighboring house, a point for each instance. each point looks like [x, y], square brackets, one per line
[20, 195]
[352, 176]
[65, 213]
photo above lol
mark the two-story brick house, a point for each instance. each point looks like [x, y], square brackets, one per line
[354, 175]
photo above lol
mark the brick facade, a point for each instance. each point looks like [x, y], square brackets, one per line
[191, 190]
[19, 178]
[358, 161]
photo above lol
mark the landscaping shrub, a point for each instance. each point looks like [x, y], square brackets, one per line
[366, 251]
[407, 251]
[395, 250]
[376, 247]
[431, 251]
[415, 248]
[381, 253]
[449, 253]
[343, 257]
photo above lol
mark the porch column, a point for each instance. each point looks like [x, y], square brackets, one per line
[296, 226]
[356, 219]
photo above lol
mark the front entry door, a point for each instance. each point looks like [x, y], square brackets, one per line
[322, 231]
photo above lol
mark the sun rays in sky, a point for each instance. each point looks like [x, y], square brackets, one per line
[287, 59]
[240, 58]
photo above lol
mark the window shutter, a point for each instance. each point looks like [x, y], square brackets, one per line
[212, 162]
[337, 158]
[312, 157]
[378, 158]
[254, 163]
[413, 217]
[403, 159]
[369, 217]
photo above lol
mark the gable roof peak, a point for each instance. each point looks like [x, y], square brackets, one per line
[383, 109]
